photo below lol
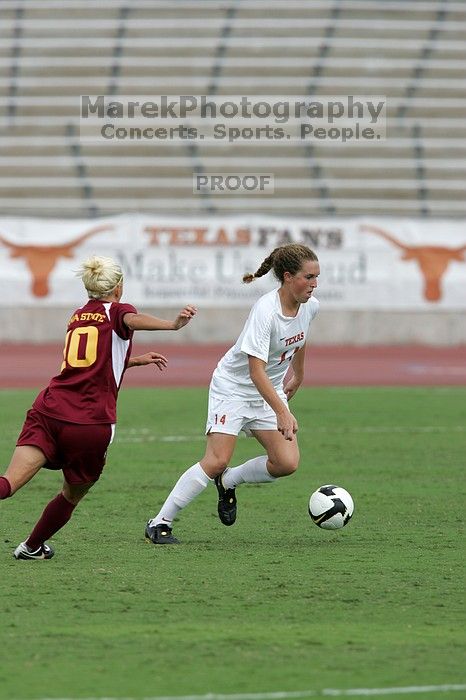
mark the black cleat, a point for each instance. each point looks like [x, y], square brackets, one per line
[226, 502]
[160, 534]
[22, 551]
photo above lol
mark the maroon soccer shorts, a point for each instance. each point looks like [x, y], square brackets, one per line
[79, 450]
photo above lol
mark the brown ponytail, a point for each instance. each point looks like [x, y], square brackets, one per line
[286, 258]
[265, 266]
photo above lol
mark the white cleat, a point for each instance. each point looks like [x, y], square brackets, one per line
[22, 551]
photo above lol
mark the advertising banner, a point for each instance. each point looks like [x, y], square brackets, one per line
[366, 263]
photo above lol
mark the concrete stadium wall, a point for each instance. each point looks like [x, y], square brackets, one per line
[223, 325]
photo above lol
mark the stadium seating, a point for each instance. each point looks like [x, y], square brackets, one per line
[52, 52]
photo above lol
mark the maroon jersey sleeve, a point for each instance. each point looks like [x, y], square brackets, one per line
[118, 312]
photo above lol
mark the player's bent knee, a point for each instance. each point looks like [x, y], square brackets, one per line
[216, 468]
[76, 492]
[284, 467]
[289, 468]
[214, 464]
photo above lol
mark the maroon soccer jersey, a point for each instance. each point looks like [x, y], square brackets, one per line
[96, 354]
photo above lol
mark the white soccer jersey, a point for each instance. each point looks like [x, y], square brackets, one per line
[268, 335]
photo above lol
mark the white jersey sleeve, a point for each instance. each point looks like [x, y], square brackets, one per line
[313, 310]
[255, 339]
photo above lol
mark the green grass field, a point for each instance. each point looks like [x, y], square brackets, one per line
[273, 604]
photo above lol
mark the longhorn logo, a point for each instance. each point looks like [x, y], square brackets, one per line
[41, 259]
[433, 260]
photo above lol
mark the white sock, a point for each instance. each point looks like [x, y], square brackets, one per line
[254, 471]
[189, 485]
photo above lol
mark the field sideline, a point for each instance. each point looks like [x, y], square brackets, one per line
[26, 366]
[272, 607]
[325, 693]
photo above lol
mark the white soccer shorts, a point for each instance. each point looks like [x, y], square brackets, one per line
[231, 416]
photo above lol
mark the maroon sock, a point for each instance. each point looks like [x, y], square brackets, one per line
[56, 514]
[5, 488]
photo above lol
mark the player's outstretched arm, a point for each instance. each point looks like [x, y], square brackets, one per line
[148, 358]
[147, 322]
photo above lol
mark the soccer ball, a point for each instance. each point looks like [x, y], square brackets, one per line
[331, 507]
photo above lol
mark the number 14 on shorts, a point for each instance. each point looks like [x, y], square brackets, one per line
[221, 420]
